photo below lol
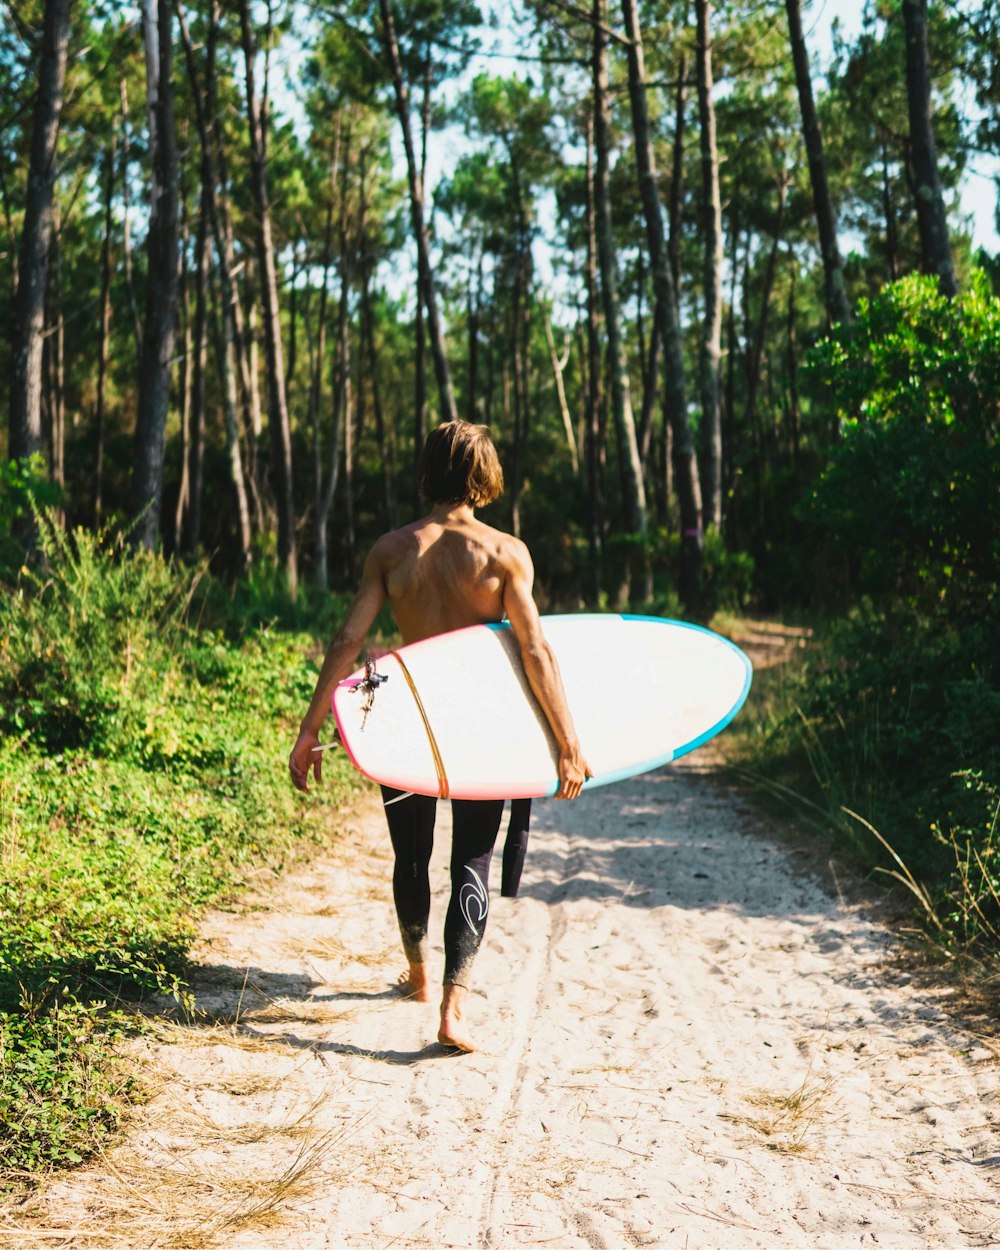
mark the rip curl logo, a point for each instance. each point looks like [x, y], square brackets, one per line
[474, 898]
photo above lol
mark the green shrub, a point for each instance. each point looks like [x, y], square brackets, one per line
[62, 1089]
[899, 706]
[912, 493]
[142, 773]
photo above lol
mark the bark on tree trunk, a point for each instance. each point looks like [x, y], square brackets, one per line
[100, 411]
[341, 420]
[595, 399]
[133, 303]
[751, 419]
[28, 319]
[837, 304]
[161, 287]
[711, 343]
[278, 420]
[677, 174]
[794, 420]
[226, 360]
[385, 437]
[685, 461]
[891, 230]
[558, 365]
[628, 448]
[184, 486]
[228, 341]
[191, 533]
[474, 303]
[416, 190]
[932, 221]
[56, 353]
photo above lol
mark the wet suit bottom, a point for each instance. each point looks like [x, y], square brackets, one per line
[411, 829]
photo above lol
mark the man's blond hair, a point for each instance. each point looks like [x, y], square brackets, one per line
[459, 464]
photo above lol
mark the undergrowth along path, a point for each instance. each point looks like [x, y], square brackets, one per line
[690, 1041]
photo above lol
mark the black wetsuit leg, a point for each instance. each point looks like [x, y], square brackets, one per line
[515, 847]
[411, 830]
[475, 825]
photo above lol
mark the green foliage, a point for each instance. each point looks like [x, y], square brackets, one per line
[24, 484]
[142, 773]
[913, 489]
[727, 576]
[973, 900]
[61, 1092]
[896, 716]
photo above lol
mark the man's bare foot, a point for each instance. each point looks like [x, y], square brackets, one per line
[415, 984]
[452, 1031]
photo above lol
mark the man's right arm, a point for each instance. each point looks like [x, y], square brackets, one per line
[542, 668]
[340, 660]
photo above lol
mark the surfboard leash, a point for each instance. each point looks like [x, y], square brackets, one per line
[442, 776]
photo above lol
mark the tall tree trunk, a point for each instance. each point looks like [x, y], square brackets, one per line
[686, 476]
[12, 243]
[558, 365]
[474, 307]
[133, 303]
[756, 364]
[650, 386]
[56, 352]
[320, 562]
[278, 420]
[628, 448]
[349, 446]
[837, 304]
[677, 173]
[729, 416]
[293, 321]
[385, 437]
[160, 322]
[711, 343]
[191, 532]
[229, 353]
[891, 229]
[416, 190]
[420, 345]
[520, 339]
[184, 302]
[28, 319]
[101, 406]
[226, 360]
[595, 398]
[794, 420]
[932, 221]
[384, 432]
[339, 437]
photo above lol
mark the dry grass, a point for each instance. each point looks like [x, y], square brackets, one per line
[248, 1084]
[784, 1120]
[333, 949]
[170, 1202]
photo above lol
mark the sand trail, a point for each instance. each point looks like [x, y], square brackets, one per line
[689, 1042]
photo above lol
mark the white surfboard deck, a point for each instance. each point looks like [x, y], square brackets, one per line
[642, 691]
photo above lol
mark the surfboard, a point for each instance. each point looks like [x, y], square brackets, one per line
[454, 716]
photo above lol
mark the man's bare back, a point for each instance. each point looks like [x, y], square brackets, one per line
[446, 572]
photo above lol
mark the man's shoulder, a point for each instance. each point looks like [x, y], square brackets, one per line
[510, 551]
[391, 546]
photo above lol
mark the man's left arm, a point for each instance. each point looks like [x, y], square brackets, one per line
[340, 660]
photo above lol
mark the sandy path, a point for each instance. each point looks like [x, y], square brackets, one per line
[690, 1043]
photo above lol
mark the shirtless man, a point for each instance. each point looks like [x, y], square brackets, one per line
[441, 573]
